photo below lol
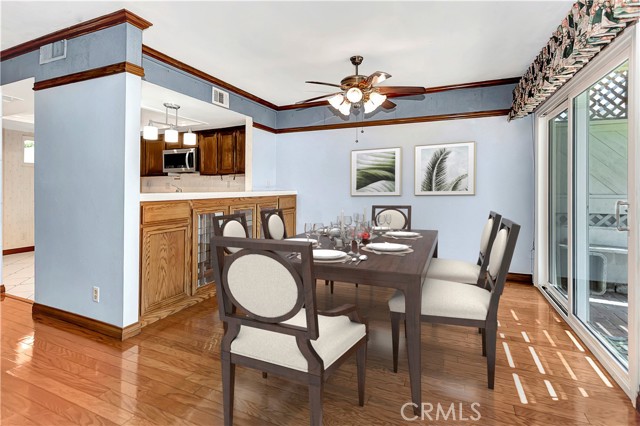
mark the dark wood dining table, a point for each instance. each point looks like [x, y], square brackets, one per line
[405, 273]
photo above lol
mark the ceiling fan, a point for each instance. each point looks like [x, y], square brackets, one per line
[361, 91]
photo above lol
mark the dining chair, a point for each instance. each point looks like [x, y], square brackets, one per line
[400, 216]
[231, 225]
[271, 320]
[448, 302]
[272, 221]
[466, 272]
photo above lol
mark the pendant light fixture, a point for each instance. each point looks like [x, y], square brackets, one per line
[150, 132]
[189, 138]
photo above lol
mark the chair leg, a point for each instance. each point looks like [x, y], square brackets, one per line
[356, 285]
[326, 282]
[228, 382]
[479, 331]
[264, 375]
[315, 400]
[395, 337]
[331, 282]
[490, 333]
[361, 361]
[484, 341]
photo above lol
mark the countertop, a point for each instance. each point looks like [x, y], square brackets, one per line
[174, 196]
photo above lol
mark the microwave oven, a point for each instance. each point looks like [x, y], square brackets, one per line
[179, 160]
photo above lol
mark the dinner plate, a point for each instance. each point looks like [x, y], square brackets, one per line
[380, 228]
[402, 234]
[387, 247]
[323, 254]
[310, 240]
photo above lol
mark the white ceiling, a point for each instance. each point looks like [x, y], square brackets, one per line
[270, 48]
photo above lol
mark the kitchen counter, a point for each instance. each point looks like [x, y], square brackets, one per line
[175, 196]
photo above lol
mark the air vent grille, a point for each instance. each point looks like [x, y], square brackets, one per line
[220, 97]
[53, 51]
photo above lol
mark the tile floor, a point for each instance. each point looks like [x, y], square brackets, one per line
[18, 274]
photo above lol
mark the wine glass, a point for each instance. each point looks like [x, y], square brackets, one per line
[318, 229]
[308, 229]
[357, 235]
[349, 234]
[357, 217]
[347, 221]
[386, 220]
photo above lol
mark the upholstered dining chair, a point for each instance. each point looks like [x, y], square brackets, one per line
[448, 302]
[268, 306]
[468, 272]
[231, 225]
[272, 221]
[400, 216]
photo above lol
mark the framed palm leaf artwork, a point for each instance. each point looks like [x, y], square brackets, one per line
[375, 172]
[445, 169]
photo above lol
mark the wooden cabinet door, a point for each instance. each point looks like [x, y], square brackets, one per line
[208, 143]
[268, 205]
[290, 221]
[240, 150]
[165, 266]
[226, 152]
[249, 211]
[151, 158]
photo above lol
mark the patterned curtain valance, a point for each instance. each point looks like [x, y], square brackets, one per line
[589, 26]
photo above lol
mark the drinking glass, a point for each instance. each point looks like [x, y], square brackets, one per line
[318, 230]
[334, 232]
[358, 234]
[308, 229]
[386, 220]
[349, 232]
[347, 221]
[357, 217]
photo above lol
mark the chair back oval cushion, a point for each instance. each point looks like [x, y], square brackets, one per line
[497, 252]
[486, 233]
[233, 228]
[262, 286]
[398, 219]
[276, 227]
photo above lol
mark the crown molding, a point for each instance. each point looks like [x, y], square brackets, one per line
[119, 17]
[152, 53]
[90, 74]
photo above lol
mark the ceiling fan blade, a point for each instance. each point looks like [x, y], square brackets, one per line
[387, 104]
[318, 97]
[377, 77]
[401, 90]
[324, 84]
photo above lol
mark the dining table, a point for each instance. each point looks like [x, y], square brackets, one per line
[404, 272]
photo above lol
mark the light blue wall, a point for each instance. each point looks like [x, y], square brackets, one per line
[317, 165]
[105, 47]
[87, 197]
[449, 102]
[264, 160]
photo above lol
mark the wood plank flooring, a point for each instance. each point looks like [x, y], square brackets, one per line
[56, 374]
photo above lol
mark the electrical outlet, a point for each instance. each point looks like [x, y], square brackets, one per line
[96, 294]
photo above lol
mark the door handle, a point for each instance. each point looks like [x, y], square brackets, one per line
[619, 226]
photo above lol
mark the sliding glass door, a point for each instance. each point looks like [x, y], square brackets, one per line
[586, 216]
[600, 179]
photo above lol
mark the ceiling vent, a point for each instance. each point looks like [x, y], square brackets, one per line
[53, 51]
[220, 97]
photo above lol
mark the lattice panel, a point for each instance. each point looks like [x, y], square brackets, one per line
[608, 97]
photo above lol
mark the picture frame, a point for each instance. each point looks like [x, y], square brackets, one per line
[445, 169]
[376, 172]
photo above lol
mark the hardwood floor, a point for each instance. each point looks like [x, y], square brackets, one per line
[56, 374]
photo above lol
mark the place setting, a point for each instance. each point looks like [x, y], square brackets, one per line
[392, 249]
[402, 235]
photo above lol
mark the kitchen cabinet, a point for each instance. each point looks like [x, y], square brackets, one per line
[226, 152]
[151, 157]
[266, 205]
[208, 143]
[165, 258]
[176, 264]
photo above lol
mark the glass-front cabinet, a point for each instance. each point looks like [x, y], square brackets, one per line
[204, 260]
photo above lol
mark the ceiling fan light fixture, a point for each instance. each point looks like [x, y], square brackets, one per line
[150, 132]
[354, 95]
[369, 106]
[377, 98]
[345, 108]
[189, 138]
[336, 100]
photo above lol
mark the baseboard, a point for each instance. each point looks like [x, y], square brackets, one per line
[21, 299]
[18, 250]
[43, 312]
[520, 278]
[2, 288]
